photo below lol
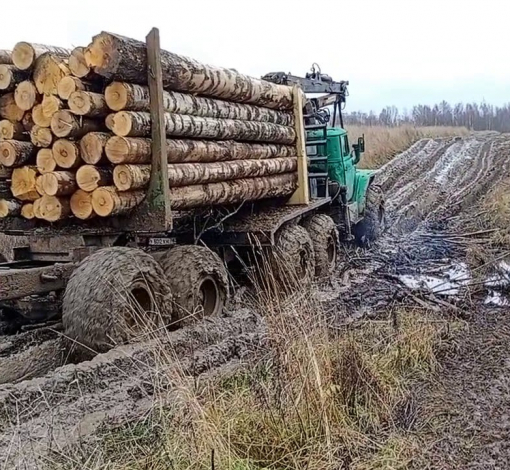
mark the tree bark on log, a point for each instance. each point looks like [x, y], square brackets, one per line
[49, 70]
[23, 183]
[138, 150]
[9, 207]
[66, 154]
[45, 161]
[27, 211]
[233, 192]
[25, 55]
[41, 136]
[28, 121]
[9, 109]
[58, 183]
[86, 103]
[6, 57]
[92, 147]
[90, 177]
[52, 208]
[107, 201]
[129, 177]
[81, 205]
[50, 105]
[39, 118]
[10, 76]
[5, 172]
[131, 97]
[12, 130]
[26, 95]
[138, 124]
[15, 153]
[124, 59]
[66, 124]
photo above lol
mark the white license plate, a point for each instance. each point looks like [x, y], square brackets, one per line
[161, 241]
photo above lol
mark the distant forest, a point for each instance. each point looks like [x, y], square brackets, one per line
[471, 115]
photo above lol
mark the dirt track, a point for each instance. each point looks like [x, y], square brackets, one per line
[428, 187]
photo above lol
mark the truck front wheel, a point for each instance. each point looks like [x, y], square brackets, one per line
[370, 227]
[324, 236]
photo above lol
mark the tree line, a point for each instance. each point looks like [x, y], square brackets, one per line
[474, 116]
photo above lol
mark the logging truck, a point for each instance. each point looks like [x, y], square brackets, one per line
[204, 167]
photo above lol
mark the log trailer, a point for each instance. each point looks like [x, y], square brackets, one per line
[100, 274]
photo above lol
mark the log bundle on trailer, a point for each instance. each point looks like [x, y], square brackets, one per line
[75, 132]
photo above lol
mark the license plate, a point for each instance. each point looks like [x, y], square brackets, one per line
[161, 241]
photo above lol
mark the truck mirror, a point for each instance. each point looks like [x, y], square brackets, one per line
[361, 143]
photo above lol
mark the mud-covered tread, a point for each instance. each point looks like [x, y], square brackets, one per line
[94, 311]
[370, 227]
[323, 233]
[185, 267]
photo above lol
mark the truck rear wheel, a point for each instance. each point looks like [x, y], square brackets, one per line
[369, 229]
[324, 236]
[198, 279]
[113, 296]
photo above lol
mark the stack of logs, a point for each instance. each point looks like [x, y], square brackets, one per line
[75, 132]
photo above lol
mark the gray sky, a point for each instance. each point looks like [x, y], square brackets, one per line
[393, 51]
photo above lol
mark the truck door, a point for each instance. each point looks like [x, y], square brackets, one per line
[350, 169]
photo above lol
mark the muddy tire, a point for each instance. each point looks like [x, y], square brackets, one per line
[325, 240]
[198, 279]
[294, 256]
[369, 229]
[114, 296]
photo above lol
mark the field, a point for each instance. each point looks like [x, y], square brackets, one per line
[400, 361]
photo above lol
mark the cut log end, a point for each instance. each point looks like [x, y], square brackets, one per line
[129, 177]
[45, 161]
[106, 201]
[68, 85]
[15, 153]
[101, 53]
[9, 109]
[122, 123]
[52, 208]
[49, 70]
[26, 95]
[66, 124]
[23, 55]
[27, 211]
[50, 105]
[39, 117]
[92, 147]
[81, 205]
[6, 77]
[90, 177]
[116, 95]
[23, 183]
[85, 103]
[41, 136]
[66, 153]
[11, 130]
[9, 207]
[77, 63]
[58, 183]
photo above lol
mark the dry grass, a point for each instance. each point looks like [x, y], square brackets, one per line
[383, 143]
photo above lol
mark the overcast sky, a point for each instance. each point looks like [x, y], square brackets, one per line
[398, 52]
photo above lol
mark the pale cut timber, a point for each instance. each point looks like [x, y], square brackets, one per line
[107, 201]
[49, 70]
[45, 161]
[90, 177]
[9, 207]
[9, 109]
[41, 136]
[50, 105]
[131, 97]
[6, 57]
[37, 208]
[124, 59]
[138, 124]
[68, 85]
[28, 121]
[108, 121]
[92, 147]
[81, 205]
[129, 177]
[52, 208]
[10, 76]
[12, 130]
[24, 54]
[15, 153]
[66, 124]
[86, 103]
[39, 185]
[27, 211]
[26, 95]
[138, 150]
[66, 154]
[232, 192]
[23, 183]
[58, 183]
[77, 63]
[39, 117]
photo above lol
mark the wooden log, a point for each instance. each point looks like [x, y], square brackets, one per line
[12, 130]
[27, 211]
[5, 189]
[121, 96]
[28, 121]
[81, 205]
[15, 153]
[5, 172]
[92, 147]
[129, 177]
[49, 70]
[58, 183]
[78, 64]
[9, 109]
[108, 121]
[9, 207]
[90, 177]
[52, 208]
[24, 54]
[45, 161]
[23, 183]
[124, 59]
[68, 85]
[39, 117]
[6, 57]
[138, 124]
[66, 124]
[107, 201]
[10, 76]
[37, 208]
[26, 95]
[50, 105]
[39, 187]
[232, 192]
[66, 154]
[41, 136]
[86, 103]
